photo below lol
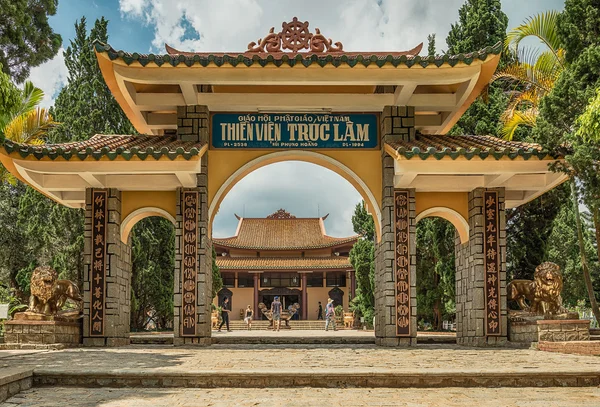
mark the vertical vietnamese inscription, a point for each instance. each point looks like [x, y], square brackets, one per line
[402, 261]
[189, 263]
[492, 264]
[98, 271]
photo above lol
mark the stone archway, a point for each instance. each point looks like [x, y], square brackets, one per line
[326, 161]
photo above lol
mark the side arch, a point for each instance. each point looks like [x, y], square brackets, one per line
[304, 156]
[459, 222]
[134, 217]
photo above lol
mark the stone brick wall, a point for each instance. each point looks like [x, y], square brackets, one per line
[192, 123]
[397, 122]
[563, 330]
[470, 276]
[590, 348]
[118, 276]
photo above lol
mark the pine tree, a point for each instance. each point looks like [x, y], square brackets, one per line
[431, 45]
[362, 258]
[26, 38]
[481, 23]
[85, 106]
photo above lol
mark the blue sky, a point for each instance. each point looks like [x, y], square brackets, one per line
[229, 25]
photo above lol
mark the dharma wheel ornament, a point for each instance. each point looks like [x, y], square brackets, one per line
[295, 36]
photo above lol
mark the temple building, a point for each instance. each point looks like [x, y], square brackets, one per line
[284, 256]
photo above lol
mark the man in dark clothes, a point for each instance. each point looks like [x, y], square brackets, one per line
[225, 310]
[320, 312]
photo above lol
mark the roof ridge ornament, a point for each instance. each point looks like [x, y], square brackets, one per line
[295, 36]
[281, 214]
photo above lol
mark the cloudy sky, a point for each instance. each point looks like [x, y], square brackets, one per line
[305, 190]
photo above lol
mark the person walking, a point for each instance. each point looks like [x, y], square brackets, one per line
[330, 315]
[276, 312]
[320, 311]
[248, 318]
[225, 310]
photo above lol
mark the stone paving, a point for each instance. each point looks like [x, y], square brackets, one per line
[316, 359]
[302, 397]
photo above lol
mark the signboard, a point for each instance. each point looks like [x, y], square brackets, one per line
[492, 264]
[189, 262]
[3, 311]
[98, 266]
[295, 130]
[402, 263]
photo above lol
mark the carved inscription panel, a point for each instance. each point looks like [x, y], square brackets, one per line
[402, 262]
[189, 245]
[492, 263]
[98, 265]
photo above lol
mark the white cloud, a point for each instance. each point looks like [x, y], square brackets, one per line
[50, 77]
[134, 7]
[303, 189]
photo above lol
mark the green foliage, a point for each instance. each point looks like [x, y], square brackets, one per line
[481, 23]
[579, 26]
[563, 250]
[24, 278]
[527, 229]
[26, 38]
[85, 106]
[435, 271]
[431, 45]
[10, 98]
[362, 258]
[153, 262]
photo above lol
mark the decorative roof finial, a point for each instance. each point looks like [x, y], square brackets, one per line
[295, 36]
[281, 214]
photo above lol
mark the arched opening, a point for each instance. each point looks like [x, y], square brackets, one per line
[325, 161]
[286, 230]
[137, 215]
[436, 237]
[459, 222]
[152, 242]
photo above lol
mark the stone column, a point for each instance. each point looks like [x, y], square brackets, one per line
[471, 304]
[192, 125]
[352, 284]
[397, 123]
[304, 297]
[117, 275]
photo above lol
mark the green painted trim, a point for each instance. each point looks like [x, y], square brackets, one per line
[431, 152]
[234, 59]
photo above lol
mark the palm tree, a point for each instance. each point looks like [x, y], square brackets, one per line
[533, 74]
[25, 123]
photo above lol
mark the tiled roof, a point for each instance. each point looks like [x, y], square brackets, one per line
[305, 58]
[281, 234]
[438, 146]
[110, 146]
[279, 263]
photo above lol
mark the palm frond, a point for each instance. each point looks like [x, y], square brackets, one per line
[542, 26]
[519, 118]
[30, 127]
[526, 75]
[31, 97]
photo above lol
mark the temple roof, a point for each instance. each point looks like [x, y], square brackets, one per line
[295, 69]
[426, 146]
[282, 233]
[100, 146]
[410, 58]
[276, 263]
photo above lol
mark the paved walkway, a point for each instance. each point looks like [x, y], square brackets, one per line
[315, 359]
[303, 397]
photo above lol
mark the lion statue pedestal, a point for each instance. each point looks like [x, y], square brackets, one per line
[542, 317]
[45, 324]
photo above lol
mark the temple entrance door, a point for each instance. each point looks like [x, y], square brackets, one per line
[289, 300]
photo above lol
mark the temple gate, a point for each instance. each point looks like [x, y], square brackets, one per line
[377, 119]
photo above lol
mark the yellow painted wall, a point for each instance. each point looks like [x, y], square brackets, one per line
[316, 294]
[131, 201]
[241, 298]
[366, 164]
[458, 201]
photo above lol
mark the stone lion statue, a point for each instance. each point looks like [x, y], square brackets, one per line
[49, 294]
[542, 294]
